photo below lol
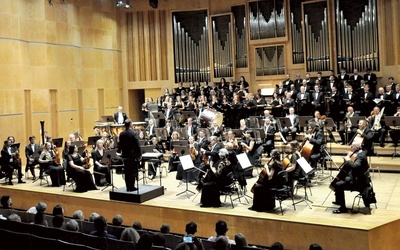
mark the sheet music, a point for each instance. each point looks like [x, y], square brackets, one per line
[243, 160]
[151, 155]
[187, 162]
[305, 165]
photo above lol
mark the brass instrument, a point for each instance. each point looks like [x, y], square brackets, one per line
[377, 123]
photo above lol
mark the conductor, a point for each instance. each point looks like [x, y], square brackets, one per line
[129, 148]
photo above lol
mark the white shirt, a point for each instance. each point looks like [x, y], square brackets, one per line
[120, 118]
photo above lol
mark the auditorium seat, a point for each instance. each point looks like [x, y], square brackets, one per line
[120, 244]
[172, 240]
[115, 230]
[94, 241]
[40, 243]
[15, 240]
[63, 245]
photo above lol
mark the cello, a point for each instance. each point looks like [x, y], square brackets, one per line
[261, 176]
[344, 170]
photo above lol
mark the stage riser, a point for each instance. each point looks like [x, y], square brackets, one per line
[258, 230]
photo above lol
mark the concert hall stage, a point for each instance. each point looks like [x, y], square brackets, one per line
[296, 229]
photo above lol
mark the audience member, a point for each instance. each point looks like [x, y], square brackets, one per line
[277, 246]
[72, 225]
[39, 218]
[182, 246]
[100, 224]
[58, 210]
[315, 246]
[130, 234]
[221, 228]
[14, 217]
[145, 242]
[191, 229]
[58, 221]
[78, 215]
[6, 201]
[41, 206]
[222, 243]
[165, 229]
[117, 220]
[240, 241]
[158, 240]
[137, 225]
[93, 217]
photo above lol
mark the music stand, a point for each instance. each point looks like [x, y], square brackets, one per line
[187, 164]
[394, 121]
[107, 156]
[303, 121]
[58, 142]
[92, 140]
[188, 114]
[285, 122]
[237, 132]
[158, 115]
[76, 143]
[305, 166]
[245, 163]
[107, 118]
[182, 150]
[182, 143]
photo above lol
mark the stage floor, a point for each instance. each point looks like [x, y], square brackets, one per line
[178, 210]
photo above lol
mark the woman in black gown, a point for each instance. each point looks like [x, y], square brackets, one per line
[76, 170]
[99, 166]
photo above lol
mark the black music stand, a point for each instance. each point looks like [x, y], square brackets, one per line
[107, 118]
[244, 162]
[92, 140]
[237, 132]
[77, 143]
[189, 114]
[182, 143]
[307, 169]
[107, 156]
[394, 121]
[187, 165]
[285, 122]
[58, 142]
[158, 115]
[303, 121]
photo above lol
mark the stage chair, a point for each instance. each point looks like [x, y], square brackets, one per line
[230, 189]
[72, 183]
[369, 191]
[5, 212]
[39, 243]
[120, 244]
[43, 175]
[283, 190]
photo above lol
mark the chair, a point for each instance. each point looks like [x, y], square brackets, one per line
[94, 241]
[115, 230]
[70, 236]
[367, 194]
[171, 241]
[47, 232]
[38, 243]
[87, 227]
[5, 212]
[63, 245]
[43, 175]
[208, 245]
[120, 244]
[16, 240]
[72, 183]
[283, 190]
[231, 188]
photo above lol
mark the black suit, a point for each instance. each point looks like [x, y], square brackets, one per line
[318, 141]
[319, 101]
[355, 82]
[351, 100]
[169, 114]
[344, 77]
[303, 103]
[371, 80]
[116, 117]
[129, 147]
[367, 103]
[151, 133]
[193, 131]
[8, 166]
[269, 138]
[28, 153]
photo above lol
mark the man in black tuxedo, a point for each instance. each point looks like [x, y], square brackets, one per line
[8, 162]
[303, 101]
[297, 82]
[287, 82]
[169, 112]
[31, 162]
[280, 89]
[355, 80]
[350, 98]
[317, 139]
[334, 105]
[343, 76]
[191, 128]
[120, 117]
[366, 101]
[318, 100]
[269, 130]
[129, 148]
[333, 82]
[371, 80]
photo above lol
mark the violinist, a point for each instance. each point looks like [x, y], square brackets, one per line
[317, 139]
[231, 139]
[76, 170]
[356, 179]
[193, 174]
[158, 148]
[107, 144]
[99, 166]
[294, 169]
[377, 124]
[48, 165]
[8, 162]
[263, 199]
[31, 162]
[65, 151]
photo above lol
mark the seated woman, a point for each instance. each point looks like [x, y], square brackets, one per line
[173, 159]
[249, 147]
[47, 164]
[65, 151]
[193, 174]
[76, 170]
[99, 166]
[263, 199]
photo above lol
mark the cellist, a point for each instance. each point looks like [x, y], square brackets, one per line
[356, 163]
[263, 199]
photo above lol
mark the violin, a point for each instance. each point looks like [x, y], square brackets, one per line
[56, 155]
[87, 160]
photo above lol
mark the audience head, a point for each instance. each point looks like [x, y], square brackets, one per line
[240, 240]
[130, 234]
[137, 225]
[158, 239]
[221, 243]
[58, 221]
[41, 207]
[6, 201]
[100, 224]
[58, 210]
[117, 220]
[182, 246]
[145, 242]
[315, 246]
[78, 215]
[128, 123]
[221, 227]
[277, 246]
[191, 228]
[165, 229]
[93, 216]
[14, 217]
[72, 225]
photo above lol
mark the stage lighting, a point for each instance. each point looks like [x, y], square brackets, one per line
[119, 3]
[128, 5]
[153, 3]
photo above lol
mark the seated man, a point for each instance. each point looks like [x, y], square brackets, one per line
[269, 136]
[8, 162]
[348, 129]
[221, 228]
[294, 127]
[317, 139]
[357, 179]
[100, 224]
